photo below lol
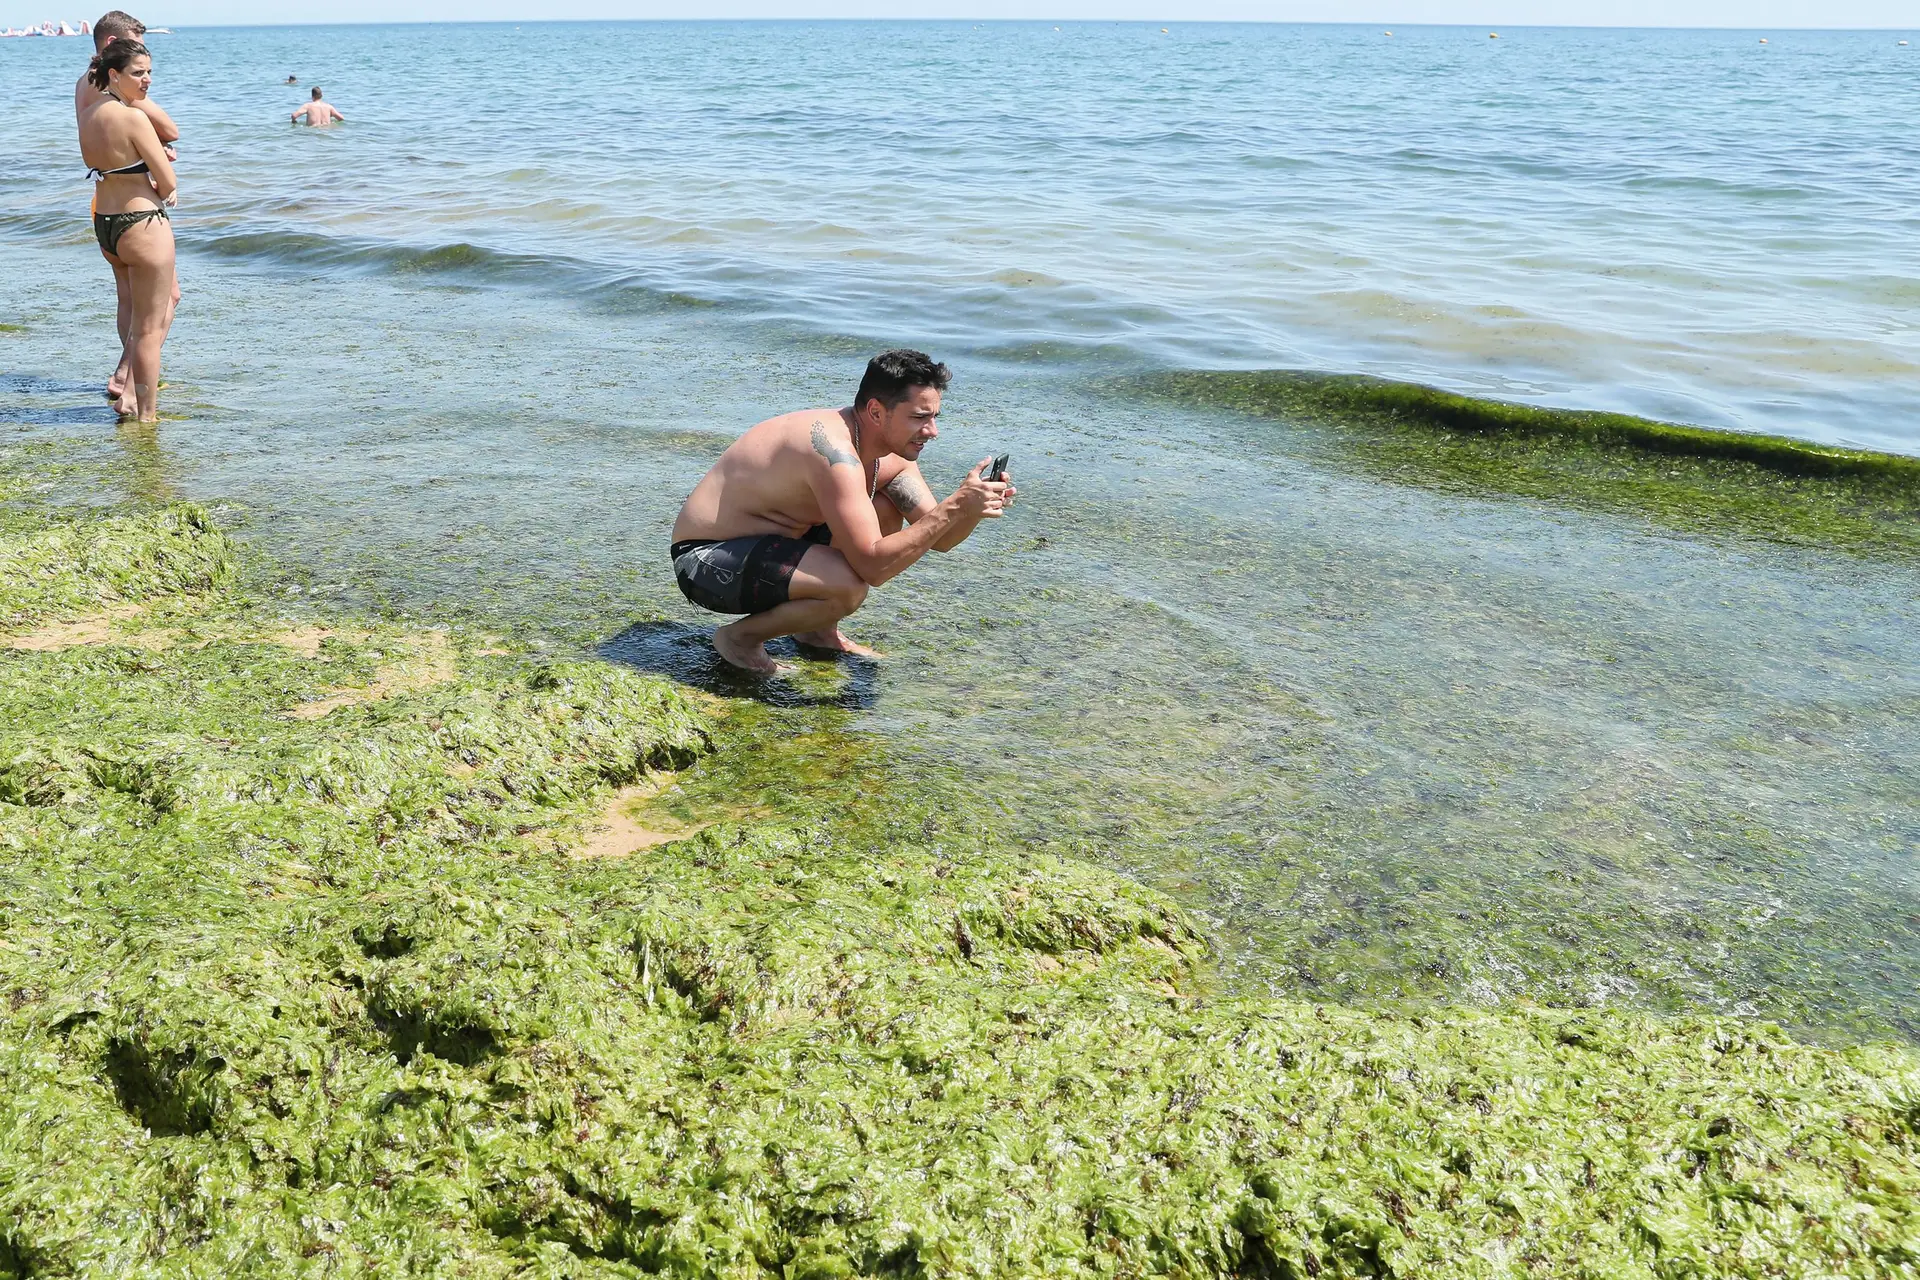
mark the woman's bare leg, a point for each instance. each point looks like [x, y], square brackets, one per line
[123, 318]
[147, 249]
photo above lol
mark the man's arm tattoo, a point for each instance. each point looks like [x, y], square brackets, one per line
[830, 450]
[907, 494]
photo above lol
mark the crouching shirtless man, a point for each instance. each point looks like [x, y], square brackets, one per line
[806, 512]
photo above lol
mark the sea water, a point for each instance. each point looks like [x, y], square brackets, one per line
[466, 354]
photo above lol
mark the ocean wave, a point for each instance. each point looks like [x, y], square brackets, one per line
[306, 249]
[49, 223]
[459, 262]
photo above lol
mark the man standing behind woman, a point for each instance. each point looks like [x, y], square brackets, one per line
[87, 95]
[134, 185]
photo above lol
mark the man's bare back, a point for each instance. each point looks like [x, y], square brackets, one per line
[807, 511]
[318, 113]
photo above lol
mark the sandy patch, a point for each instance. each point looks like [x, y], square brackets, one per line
[94, 629]
[617, 831]
[306, 641]
[431, 663]
[98, 629]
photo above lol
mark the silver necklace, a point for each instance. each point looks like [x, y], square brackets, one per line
[873, 485]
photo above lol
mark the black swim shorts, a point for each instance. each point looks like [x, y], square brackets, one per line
[742, 575]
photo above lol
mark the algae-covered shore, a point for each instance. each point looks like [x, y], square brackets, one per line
[304, 972]
[1690, 478]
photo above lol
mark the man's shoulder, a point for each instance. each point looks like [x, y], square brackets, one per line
[802, 435]
[796, 429]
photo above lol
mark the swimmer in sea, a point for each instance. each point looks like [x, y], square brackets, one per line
[318, 112]
[807, 512]
[134, 188]
[293, 79]
[112, 26]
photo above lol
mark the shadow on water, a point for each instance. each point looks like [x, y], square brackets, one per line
[37, 412]
[32, 384]
[79, 415]
[685, 653]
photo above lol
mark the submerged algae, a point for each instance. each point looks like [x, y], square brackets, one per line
[1690, 478]
[292, 996]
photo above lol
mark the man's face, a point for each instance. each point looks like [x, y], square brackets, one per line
[911, 423]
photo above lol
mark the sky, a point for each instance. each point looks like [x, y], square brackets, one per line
[1741, 14]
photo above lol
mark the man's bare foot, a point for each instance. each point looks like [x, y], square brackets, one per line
[748, 657]
[835, 640]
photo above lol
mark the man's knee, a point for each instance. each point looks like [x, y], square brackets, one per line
[829, 577]
[850, 594]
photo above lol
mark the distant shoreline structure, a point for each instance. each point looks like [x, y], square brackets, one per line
[61, 28]
[65, 28]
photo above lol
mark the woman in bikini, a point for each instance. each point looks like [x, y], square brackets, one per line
[135, 187]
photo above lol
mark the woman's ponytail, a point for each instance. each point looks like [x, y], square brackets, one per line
[115, 57]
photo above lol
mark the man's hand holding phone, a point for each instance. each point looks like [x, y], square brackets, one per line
[988, 489]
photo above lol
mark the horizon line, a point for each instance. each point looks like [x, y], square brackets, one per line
[998, 21]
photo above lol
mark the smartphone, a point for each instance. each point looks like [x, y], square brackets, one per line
[997, 469]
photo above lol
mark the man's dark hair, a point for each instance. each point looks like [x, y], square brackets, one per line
[316, 93]
[116, 25]
[892, 374]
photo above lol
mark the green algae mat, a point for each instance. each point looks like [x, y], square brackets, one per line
[1689, 478]
[303, 972]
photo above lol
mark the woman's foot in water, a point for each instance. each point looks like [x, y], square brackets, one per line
[117, 382]
[126, 404]
[834, 640]
[748, 655]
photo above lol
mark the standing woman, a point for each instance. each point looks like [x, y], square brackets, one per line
[135, 187]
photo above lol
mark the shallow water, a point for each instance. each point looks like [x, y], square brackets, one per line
[1687, 225]
[1394, 741]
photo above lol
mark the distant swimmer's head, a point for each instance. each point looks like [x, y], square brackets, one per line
[123, 69]
[293, 79]
[316, 93]
[898, 403]
[115, 25]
